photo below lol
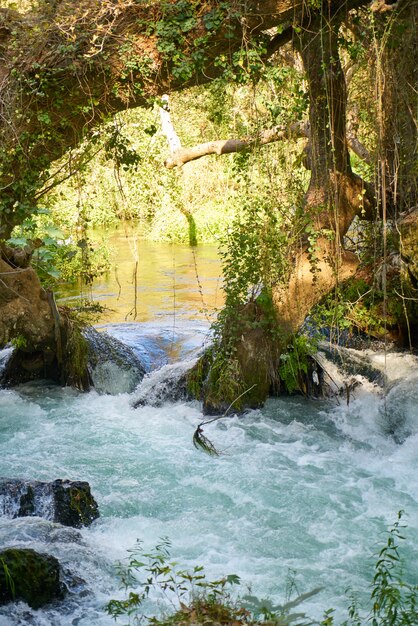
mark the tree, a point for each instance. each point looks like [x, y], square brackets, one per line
[67, 68]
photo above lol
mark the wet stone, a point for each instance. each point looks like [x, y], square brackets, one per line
[29, 576]
[63, 501]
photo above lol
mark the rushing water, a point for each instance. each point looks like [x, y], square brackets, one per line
[305, 488]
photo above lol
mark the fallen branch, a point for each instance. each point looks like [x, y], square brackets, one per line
[228, 146]
[181, 156]
[201, 441]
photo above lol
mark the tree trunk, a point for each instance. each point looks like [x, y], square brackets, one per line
[396, 81]
[335, 195]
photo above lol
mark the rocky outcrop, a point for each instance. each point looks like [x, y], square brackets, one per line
[104, 363]
[113, 366]
[29, 576]
[63, 501]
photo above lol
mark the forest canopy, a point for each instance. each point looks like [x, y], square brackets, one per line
[331, 83]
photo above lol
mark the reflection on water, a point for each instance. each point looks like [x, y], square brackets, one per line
[170, 280]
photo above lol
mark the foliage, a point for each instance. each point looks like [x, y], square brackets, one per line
[295, 361]
[192, 598]
[61, 254]
[378, 300]
[157, 199]
[188, 597]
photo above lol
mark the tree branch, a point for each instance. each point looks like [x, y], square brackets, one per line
[227, 146]
[296, 130]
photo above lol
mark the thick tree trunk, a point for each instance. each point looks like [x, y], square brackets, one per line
[334, 197]
[396, 81]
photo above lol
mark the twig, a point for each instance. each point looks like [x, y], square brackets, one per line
[201, 441]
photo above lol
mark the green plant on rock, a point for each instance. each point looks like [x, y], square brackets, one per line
[294, 363]
[19, 342]
[72, 352]
[8, 578]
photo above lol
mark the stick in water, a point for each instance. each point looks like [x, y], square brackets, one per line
[200, 441]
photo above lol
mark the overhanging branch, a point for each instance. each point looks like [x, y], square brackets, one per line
[227, 146]
[278, 133]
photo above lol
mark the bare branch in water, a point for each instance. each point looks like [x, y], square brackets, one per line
[200, 441]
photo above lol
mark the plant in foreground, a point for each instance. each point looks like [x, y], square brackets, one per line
[189, 598]
[192, 598]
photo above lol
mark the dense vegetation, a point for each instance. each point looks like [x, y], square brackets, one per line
[317, 103]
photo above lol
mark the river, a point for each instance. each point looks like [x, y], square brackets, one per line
[302, 490]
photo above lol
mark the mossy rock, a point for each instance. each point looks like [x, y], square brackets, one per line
[66, 502]
[113, 366]
[29, 576]
[239, 373]
[73, 503]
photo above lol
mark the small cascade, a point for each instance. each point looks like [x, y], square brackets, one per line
[398, 413]
[385, 386]
[5, 355]
[348, 362]
[20, 499]
[67, 502]
[113, 366]
[167, 384]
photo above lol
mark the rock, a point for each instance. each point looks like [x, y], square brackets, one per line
[63, 501]
[29, 576]
[74, 504]
[408, 227]
[113, 367]
[105, 363]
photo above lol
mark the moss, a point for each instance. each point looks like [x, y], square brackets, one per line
[223, 386]
[240, 370]
[83, 505]
[75, 356]
[74, 503]
[29, 576]
[196, 376]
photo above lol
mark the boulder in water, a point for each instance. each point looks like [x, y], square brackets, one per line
[106, 363]
[63, 501]
[29, 576]
[113, 367]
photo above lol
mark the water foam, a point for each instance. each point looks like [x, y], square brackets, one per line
[307, 486]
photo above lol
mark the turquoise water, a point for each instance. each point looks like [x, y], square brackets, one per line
[301, 488]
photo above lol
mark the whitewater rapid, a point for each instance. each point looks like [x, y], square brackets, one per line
[302, 488]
